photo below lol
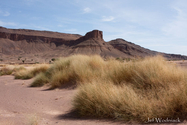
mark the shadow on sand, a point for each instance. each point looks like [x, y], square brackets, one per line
[73, 115]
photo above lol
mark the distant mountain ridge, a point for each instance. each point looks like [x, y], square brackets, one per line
[46, 44]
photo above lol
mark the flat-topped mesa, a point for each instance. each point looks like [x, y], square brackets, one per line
[16, 34]
[94, 37]
[94, 34]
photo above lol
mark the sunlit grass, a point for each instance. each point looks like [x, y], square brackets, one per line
[130, 91]
[135, 91]
[10, 69]
[32, 72]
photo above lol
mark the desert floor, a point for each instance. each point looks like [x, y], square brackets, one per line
[23, 105]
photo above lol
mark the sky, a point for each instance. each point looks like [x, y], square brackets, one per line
[159, 25]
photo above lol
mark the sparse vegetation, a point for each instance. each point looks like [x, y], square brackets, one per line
[129, 91]
[10, 69]
[73, 69]
[40, 80]
[133, 90]
[30, 73]
[19, 57]
[23, 60]
[53, 59]
[120, 59]
[33, 119]
[6, 71]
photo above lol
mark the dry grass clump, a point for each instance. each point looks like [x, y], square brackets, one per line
[30, 73]
[135, 91]
[106, 100]
[71, 70]
[129, 91]
[10, 69]
[40, 80]
[33, 119]
[150, 73]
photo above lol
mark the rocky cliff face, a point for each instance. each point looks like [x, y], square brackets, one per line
[47, 34]
[23, 41]
[95, 34]
[51, 44]
[131, 48]
[134, 50]
[93, 43]
[35, 36]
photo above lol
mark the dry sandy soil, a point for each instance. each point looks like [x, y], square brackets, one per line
[182, 63]
[22, 105]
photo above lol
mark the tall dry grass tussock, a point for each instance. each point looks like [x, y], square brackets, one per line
[129, 91]
[31, 72]
[72, 70]
[136, 91]
[10, 69]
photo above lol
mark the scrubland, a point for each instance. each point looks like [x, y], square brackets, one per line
[10, 69]
[129, 91]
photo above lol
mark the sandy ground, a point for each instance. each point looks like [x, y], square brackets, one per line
[23, 105]
[182, 63]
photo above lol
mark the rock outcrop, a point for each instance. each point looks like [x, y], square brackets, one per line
[93, 43]
[131, 48]
[21, 42]
[46, 34]
[95, 34]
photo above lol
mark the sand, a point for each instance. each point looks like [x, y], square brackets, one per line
[23, 105]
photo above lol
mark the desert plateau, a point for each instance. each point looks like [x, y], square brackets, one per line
[31, 46]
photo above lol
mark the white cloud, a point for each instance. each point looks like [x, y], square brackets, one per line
[87, 10]
[7, 23]
[107, 19]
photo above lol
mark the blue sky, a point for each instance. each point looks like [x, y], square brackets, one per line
[159, 25]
